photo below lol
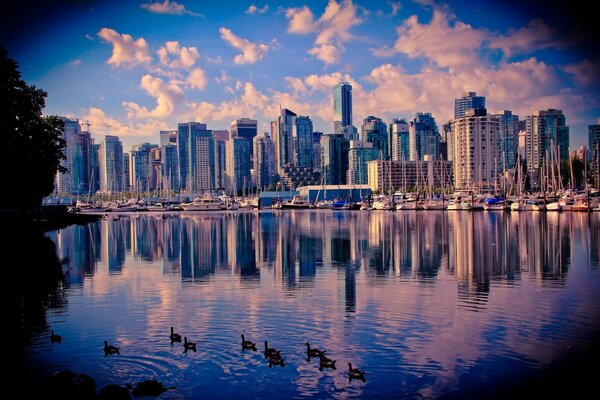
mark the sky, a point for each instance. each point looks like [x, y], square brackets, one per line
[133, 68]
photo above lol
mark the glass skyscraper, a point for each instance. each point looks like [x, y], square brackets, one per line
[342, 107]
[508, 141]
[111, 165]
[238, 165]
[264, 160]
[141, 167]
[467, 101]
[547, 135]
[374, 130]
[423, 137]
[302, 135]
[244, 127]
[399, 140]
[334, 153]
[594, 152]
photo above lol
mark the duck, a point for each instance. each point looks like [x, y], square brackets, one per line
[269, 351]
[108, 349]
[150, 388]
[355, 373]
[188, 345]
[313, 352]
[54, 338]
[276, 359]
[247, 344]
[325, 362]
[175, 337]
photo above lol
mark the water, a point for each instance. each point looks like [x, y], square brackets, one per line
[429, 304]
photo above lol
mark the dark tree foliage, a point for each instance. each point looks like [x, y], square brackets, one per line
[32, 145]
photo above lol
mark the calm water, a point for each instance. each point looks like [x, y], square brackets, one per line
[429, 304]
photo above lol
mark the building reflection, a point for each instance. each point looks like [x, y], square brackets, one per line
[294, 247]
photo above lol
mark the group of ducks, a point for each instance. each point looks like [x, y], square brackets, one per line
[271, 354]
[274, 357]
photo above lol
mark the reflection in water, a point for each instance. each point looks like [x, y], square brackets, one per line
[421, 300]
[477, 248]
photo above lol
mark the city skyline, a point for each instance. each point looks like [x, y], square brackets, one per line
[168, 62]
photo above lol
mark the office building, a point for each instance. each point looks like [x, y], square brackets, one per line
[467, 101]
[508, 141]
[399, 140]
[111, 164]
[359, 154]
[342, 108]
[238, 165]
[423, 138]
[334, 155]
[547, 138]
[246, 128]
[264, 160]
[302, 139]
[374, 131]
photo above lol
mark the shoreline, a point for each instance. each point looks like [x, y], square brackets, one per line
[44, 218]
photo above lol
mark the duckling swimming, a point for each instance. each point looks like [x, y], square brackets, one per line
[325, 362]
[247, 344]
[276, 359]
[110, 349]
[188, 345]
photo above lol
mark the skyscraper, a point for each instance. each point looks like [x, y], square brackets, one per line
[111, 165]
[302, 135]
[594, 152]
[221, 138]
[184, 148]
[423, 137]
[238, 164]
[467, 101]
[141, 167]
[508, 141]
[169, 161]
[475, 151]
[399, 140]
[244, 127]
[342, 107]
[334, 153]
[78, 144]
[281, 134]
[374, 130]
[547, 136]
[316, 151]
[264, 160]
[201, 159]
[359, 154]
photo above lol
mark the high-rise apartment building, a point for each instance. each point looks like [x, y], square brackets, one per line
[475, 152]
[264, 160]
[111, 164]
[201, 159]
[185, 131]
[374, 130]
[359, 154]
[221, 138]
[423, 138]
[238, 165]
[594, 152]
[302, 137]
[342, 108]
[169, 166]
[244, 127]
[399, 140]
[467, 101]
[141, 165]
[508, 141]
[316, 151]
[77, 152]
[547, 138]
[334, 155]
[281, 134]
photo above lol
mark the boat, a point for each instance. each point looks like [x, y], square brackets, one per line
[157, 207]
[536, 205]
[494, 204]
[297, 202]
[205, 203]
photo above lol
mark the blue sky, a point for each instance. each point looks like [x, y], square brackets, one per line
[133, 68]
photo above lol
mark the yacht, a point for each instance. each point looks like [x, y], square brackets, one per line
[205, 203]
[297, 202]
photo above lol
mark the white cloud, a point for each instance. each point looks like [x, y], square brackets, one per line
[75, 63]
[223, 78]
[333, 28]
[126, 52]
[197, 79]
[103, 124]
[167, 95]
[251, 52]
[302, 20]
[185, 57]
[255, 10]
[168, 7]
[585, 73]
[444, 40]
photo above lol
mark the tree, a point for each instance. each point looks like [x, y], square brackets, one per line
[32, 144]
